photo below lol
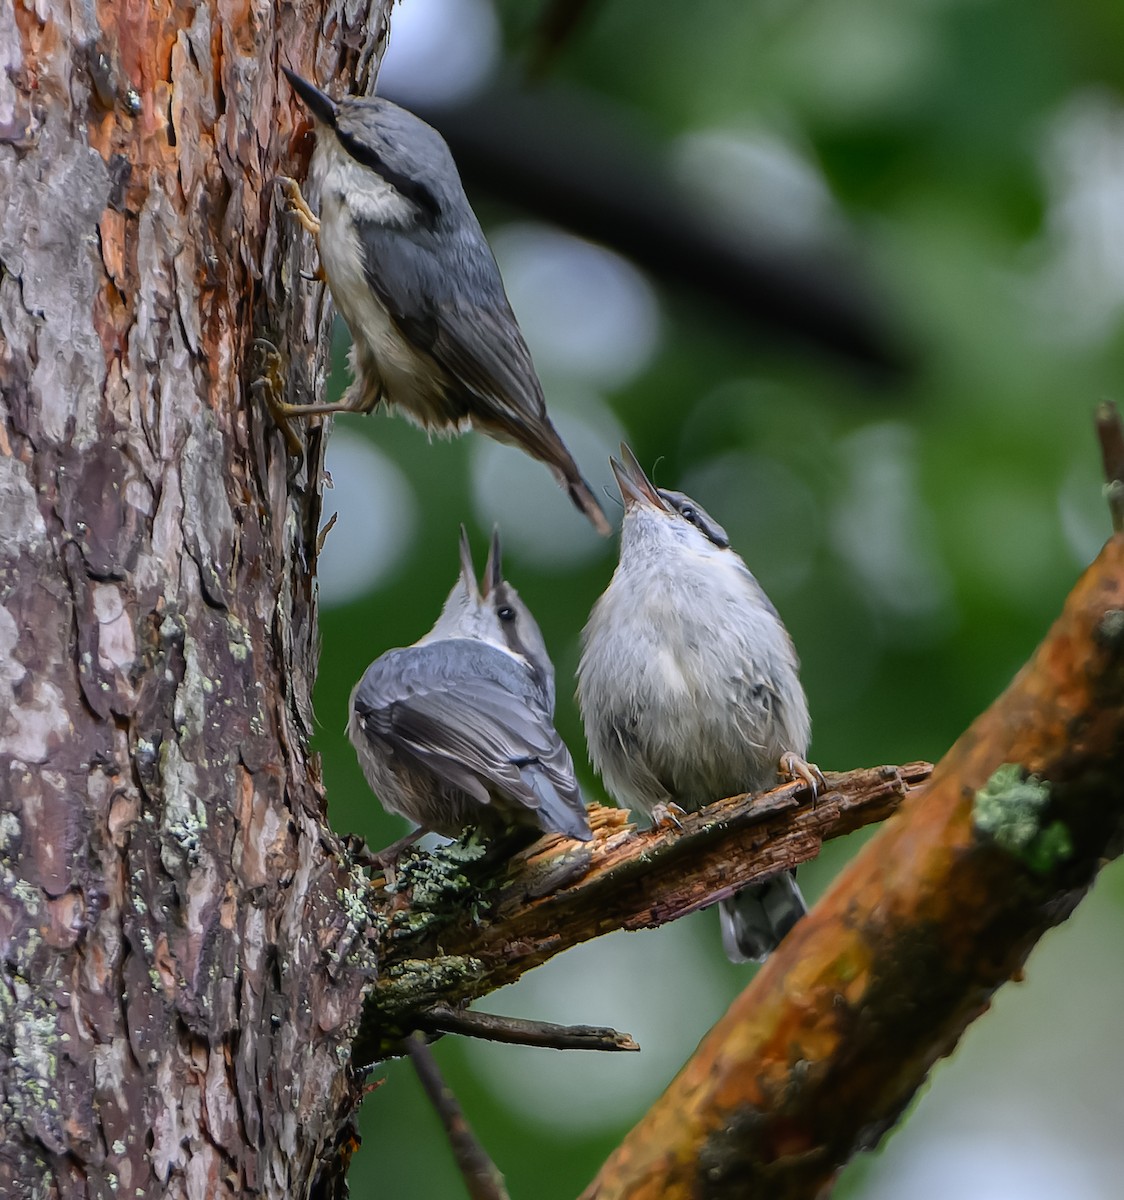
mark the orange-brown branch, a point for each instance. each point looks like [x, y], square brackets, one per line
[823, 1050]
[457, 929]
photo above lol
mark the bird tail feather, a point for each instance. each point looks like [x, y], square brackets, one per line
[756, 918]
[582, 495]
[557, 813]
[543, 442]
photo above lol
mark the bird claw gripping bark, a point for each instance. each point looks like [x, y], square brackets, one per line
[667, 816]
[800, 770]
[385, 861]
[269, 386]
[293, 202]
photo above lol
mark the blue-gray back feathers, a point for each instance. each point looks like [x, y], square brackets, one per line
[463, 734]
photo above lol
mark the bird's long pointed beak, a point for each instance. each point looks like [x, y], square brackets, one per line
[319, 103]
[493, 569]
[635, 486]
[468, 572]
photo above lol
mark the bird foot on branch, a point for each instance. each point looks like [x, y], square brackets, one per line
[386, 860]
[667, 816]
[799, 770]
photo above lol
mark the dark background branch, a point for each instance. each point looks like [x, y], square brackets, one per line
[567, 160]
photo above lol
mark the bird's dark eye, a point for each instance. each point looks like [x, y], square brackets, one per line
[505, 613]
[687, 512]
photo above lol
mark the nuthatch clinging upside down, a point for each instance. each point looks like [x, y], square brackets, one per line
[414, 278]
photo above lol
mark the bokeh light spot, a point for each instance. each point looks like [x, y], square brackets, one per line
[440, 51]
[769, 512]
[661, 986]
[376, 522]
[520, 495]
[758, 182]
[884, 532]
[586, 313]
[1082, 274]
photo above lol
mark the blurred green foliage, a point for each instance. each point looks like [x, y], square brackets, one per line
[934, 126]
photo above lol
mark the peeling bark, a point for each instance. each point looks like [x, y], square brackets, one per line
[458, 923]
[176, 991]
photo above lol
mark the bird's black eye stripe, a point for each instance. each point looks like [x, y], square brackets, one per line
[698, 517]
[505, 612]
[414, 191]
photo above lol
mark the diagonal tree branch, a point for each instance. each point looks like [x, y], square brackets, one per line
[821, 1053]
[455, 925]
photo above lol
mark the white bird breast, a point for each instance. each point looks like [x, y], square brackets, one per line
[350, 191]
[683, 624]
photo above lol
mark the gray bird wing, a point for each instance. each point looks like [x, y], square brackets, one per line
[474, 717]
[443, 291]
[468, 329]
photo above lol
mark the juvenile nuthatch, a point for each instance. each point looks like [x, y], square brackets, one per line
[415, 280]
[688, 685]
[458, 729]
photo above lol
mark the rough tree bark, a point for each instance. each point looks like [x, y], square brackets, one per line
[176, 1000]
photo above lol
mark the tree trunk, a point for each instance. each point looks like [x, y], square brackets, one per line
[178, 985]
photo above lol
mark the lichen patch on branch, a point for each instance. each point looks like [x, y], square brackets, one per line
[454, 924]
[1010, 807]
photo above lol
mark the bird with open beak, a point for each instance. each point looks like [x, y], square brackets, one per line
[413, 276]
[458, 729]
[688, 685]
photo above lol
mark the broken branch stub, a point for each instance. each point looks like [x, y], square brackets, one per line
[455, 924]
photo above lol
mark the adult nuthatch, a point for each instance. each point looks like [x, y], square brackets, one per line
[688, 685]
[411, 272]
[458, 729]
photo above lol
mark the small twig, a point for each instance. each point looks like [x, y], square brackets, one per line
[322, 536]
[519, 1032]
[1110, 433]
[481, 1176]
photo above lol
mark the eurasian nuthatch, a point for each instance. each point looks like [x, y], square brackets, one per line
[458, 729]
[688, 685]
[415, 280]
